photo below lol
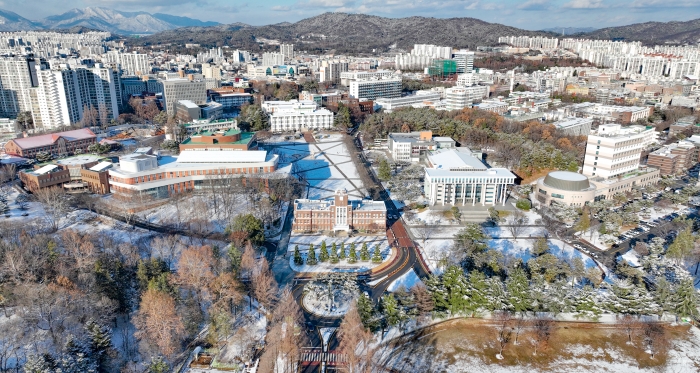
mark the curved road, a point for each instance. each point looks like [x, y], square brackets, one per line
[407, 258]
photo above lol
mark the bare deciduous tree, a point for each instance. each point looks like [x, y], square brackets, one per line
[353, 341]
[517, 223]
[158, 322]
[55, 203]
[543, 328]
[504, 331]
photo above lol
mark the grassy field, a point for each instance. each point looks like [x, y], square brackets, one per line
[470, 345]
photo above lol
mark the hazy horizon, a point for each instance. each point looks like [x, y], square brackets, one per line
[546, 13]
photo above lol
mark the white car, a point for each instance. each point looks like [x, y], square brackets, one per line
[569, 225]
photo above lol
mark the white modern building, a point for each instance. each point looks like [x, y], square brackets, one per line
[272, 59]
[287, 51]
[410, 147]
[375, 88]
[613, 150]
[390, 104]
[297, 115]
[458, 98]
[573, 126]
[351, 76]
[465, 61]
[609, 113]
[455, 177]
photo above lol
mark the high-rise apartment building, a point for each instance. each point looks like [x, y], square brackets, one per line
[614, 150]
[130, 63]
[372, 89]
[465, 61]
[272, 59]
[287, 50]
[330, 71]
[175, 90]
[17, 77]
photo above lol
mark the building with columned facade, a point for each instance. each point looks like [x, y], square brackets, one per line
[456, 177]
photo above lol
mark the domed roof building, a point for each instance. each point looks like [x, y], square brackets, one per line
[565, 187]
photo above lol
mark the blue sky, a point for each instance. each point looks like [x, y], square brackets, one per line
[527, 14]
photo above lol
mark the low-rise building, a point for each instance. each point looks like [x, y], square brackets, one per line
[456, 177]
[44, 177]
[208, 157]
[674, 159]
[96, 178]
[339, 214]
[573, 126]
[494, 106]
[412, 146]
[458, 98]
[57, 144]
[296, 115]
[390, 104]
[565, 187]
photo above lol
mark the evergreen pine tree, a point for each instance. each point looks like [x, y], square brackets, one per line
[341, 254]
[352, 257]
[366, 310]
[334, 254]
[391, 310]
[158, 365]
[586, 303]
[40, 364]
[311, 256]
[456, 285]
[663, 295]
[496, 296]
[323, 256]
[686, 299]
[364, 252]
[100, 339]
[438, 291]
[477, 291]
[377, 255]
[298, 260]
[384, 170]
[630, 299]
[518, 290]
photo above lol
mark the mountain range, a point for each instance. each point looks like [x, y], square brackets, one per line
[346, 33]
[104, 19]
[342, 32]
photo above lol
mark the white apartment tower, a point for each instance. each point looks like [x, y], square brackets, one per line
[272, 59]
[287, 50]
[17, 78]
[130, 63]
[465, 61]
[614, 150]
[330, 71]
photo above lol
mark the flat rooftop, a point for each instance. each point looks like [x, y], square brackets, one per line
[245, 137]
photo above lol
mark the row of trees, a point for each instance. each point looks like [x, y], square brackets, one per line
[337, 253]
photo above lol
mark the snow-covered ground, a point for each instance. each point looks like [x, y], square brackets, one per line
[437, 250]
[632, 258]
[407, 280]
[342, 265]
[321, 308]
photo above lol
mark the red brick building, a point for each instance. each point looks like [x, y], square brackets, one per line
[339, 214]
[58, 144]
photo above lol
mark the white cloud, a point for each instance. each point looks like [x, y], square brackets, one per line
[534, 5]
[280, 8]
[664, 4]
[585, 4]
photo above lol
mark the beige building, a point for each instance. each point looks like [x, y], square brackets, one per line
[569, 188]
[175, 90]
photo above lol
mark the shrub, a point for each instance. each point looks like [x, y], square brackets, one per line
[523, 204]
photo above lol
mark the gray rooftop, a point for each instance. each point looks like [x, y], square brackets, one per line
[455, 159]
